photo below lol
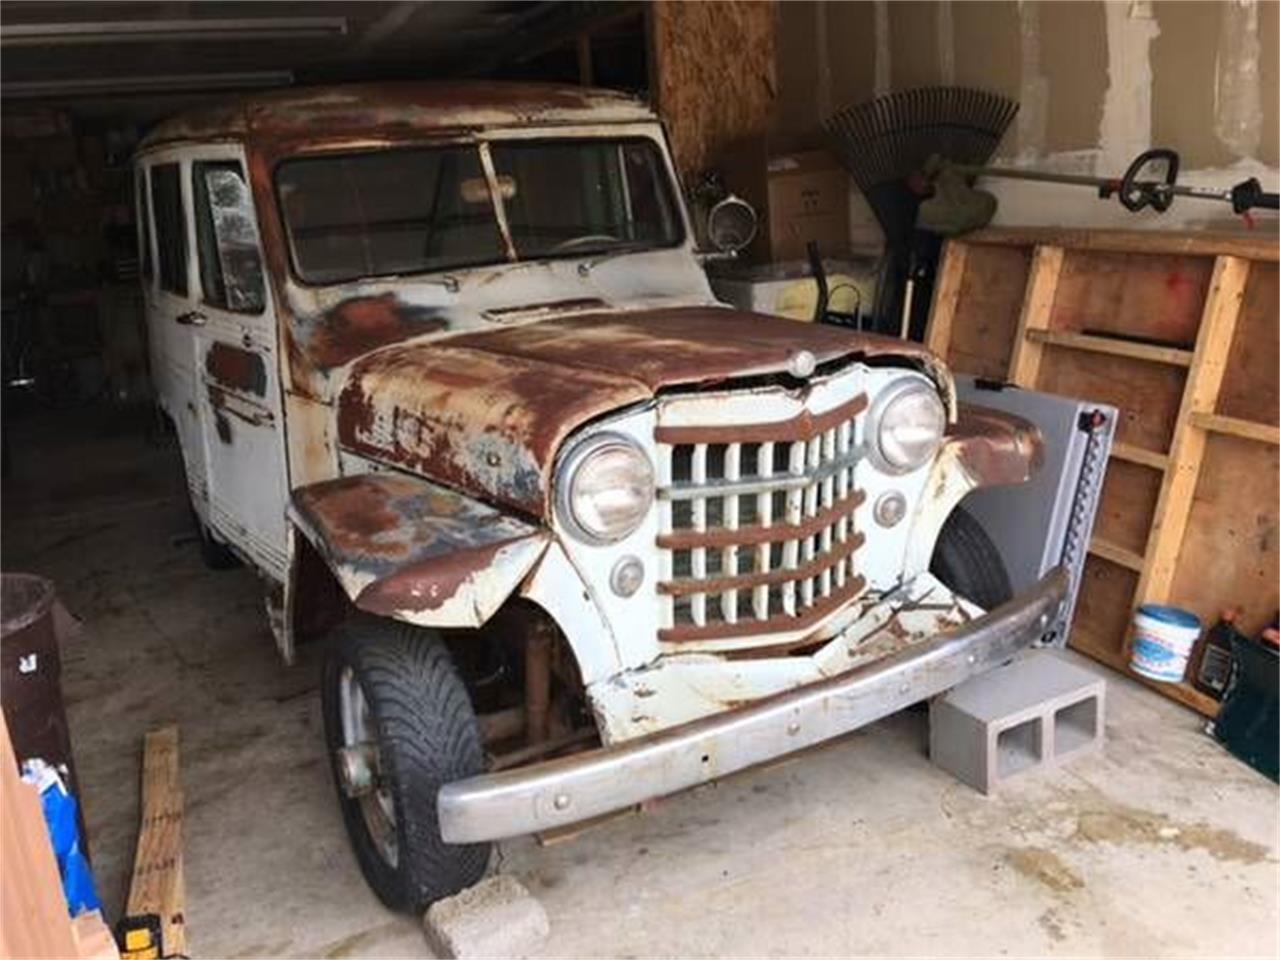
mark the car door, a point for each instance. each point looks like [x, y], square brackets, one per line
[170, 304]
[234, 327]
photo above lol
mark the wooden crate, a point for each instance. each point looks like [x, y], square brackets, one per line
[1179, 332]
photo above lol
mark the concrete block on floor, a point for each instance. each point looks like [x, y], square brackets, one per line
[1037, 711]
[497, 917]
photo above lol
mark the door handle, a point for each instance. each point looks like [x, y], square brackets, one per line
[192, 318]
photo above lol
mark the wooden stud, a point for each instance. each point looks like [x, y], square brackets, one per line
[946, 297]
[1199, 396]
[1042, 287]
[1101, 547]
[1248, 429]
[1135, 454]
[158, 885]
[1115, 347]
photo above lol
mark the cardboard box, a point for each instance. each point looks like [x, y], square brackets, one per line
[800, 197]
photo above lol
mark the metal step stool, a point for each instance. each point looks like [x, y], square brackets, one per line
[1034, 712]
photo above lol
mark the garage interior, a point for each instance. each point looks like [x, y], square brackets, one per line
[1156, 330]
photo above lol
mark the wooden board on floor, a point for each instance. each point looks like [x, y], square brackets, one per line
[1179, 332]
[158, 886]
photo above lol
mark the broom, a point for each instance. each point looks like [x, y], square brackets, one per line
[886, 144]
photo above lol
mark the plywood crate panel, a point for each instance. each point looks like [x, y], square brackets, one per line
[1178, 331]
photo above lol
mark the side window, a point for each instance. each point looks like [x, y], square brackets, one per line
[227, 237]
[171, 228]
[144, 225]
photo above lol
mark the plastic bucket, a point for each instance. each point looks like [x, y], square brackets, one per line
[1162, 641]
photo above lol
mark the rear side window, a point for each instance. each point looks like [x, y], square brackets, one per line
[144, 225]
[171, 228]
[226, 237]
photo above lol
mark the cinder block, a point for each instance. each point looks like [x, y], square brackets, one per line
[1037, 711]
[496, 918]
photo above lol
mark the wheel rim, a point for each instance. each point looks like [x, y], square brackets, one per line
[377, 806]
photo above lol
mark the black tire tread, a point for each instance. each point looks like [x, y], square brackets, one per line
[967, 561]
[428, 736]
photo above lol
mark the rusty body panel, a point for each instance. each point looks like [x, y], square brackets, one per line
[488, 411]
[997, 448]
[406, 548]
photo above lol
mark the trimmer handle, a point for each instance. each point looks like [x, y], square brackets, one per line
[1247, 195]
[1136, 194]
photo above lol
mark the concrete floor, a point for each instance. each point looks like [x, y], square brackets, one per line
[1165, 845]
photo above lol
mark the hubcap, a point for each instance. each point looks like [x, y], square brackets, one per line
[360, 768]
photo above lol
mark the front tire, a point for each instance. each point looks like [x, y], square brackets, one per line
[390, 693]
[966, 560]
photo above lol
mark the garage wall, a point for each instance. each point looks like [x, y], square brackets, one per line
[1098, 82]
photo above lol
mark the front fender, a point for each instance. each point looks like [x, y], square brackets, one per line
[406, 548]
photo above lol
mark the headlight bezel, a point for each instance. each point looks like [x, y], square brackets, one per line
[572, 462]
[882, 407]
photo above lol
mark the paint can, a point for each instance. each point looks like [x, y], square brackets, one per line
[1162, 641]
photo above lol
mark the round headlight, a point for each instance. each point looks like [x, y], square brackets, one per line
[908, 425]
[605, 488]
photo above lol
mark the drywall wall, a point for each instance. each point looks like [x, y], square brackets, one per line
[1098, 80]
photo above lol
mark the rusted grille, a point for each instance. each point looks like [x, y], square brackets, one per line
[757, 524]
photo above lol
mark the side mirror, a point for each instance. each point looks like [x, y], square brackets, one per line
[731, 225]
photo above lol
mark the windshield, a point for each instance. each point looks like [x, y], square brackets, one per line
[421, 210]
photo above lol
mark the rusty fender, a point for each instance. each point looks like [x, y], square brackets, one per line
[996, 448]
[411, 550]
[985, 448]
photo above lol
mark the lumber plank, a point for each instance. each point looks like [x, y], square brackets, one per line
[1237, 427]
[1104, 548]
[158, 884]
[1140, 455]
[1260, 247]
[1115, 347]
[1042, 286]
[1200, 395]
[946, 297]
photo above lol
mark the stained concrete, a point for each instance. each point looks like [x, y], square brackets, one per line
[1164, 845]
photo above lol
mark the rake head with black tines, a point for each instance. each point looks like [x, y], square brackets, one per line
[885, 144]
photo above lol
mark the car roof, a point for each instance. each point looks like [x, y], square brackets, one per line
[396, 109]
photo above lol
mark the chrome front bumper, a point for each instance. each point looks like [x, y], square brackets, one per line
[559, 792]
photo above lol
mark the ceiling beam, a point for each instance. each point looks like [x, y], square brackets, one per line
[69, 33]
[113, 86]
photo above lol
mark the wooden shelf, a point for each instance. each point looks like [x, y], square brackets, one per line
[1249, 429]
[1115, 553]
[1113, 347]
[1132, 454]
[1184, 693]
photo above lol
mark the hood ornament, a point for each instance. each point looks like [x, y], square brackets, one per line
[801, 364]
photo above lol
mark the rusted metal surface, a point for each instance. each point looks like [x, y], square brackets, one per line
[359, 325]
[684, 345]
[814, 614]
[487, 411]
[803, 427]
[408, 549]
[688, 539]
[486, 423]
[997, 448]
[237, 369]
[380, 110]
[803, 571]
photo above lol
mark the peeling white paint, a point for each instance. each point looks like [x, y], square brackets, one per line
[1237, 91]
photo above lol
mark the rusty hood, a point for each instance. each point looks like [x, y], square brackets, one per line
[486, 411]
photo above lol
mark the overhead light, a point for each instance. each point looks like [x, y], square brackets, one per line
[142, 31]
[178, 83]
